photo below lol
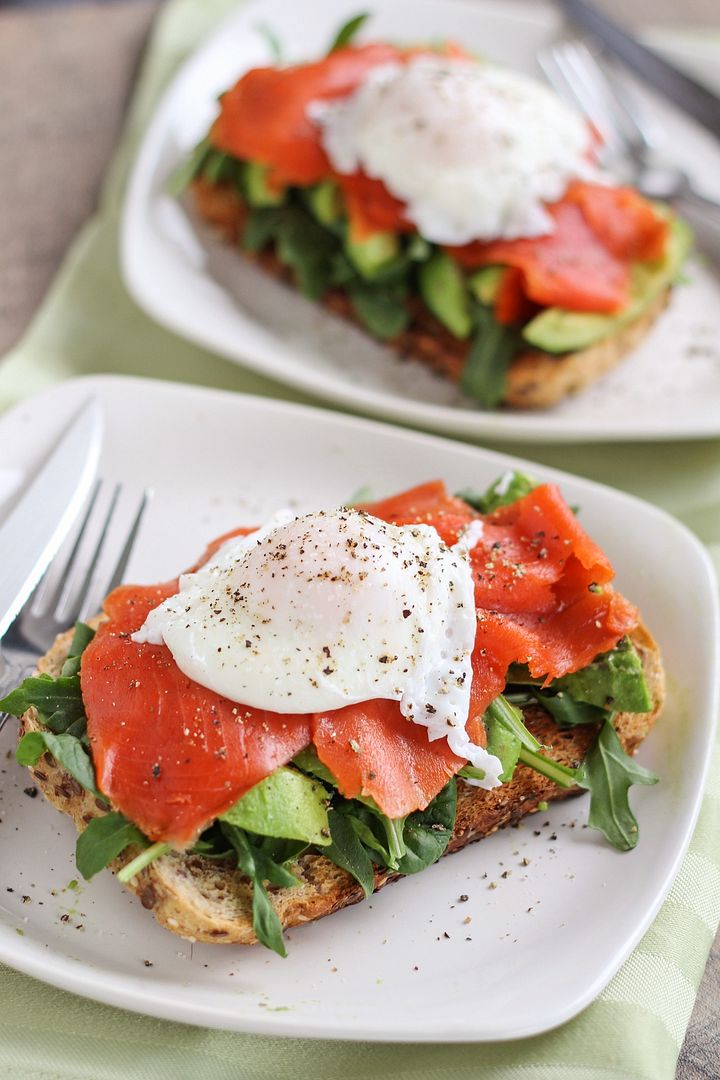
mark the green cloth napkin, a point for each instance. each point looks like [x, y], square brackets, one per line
[89, 324]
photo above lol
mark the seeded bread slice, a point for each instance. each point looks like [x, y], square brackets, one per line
[204, 901]
[535, 379]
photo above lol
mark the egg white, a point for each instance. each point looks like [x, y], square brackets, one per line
[474, 150]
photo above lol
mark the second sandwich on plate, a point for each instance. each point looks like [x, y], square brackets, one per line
[453, 208]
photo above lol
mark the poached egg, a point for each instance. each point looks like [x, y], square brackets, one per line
[473, 150]
[332, 608]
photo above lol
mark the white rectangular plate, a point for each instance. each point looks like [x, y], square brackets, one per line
[408, 965]
[669, 388]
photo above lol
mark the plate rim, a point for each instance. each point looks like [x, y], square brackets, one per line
[520, 425]
[156, 999]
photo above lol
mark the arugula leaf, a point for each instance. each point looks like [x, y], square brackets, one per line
[506, 490]
[471, 772]
[188, 169]
[213, 844]
[309, 762]
[553, 770]
[608, 773]
[81, 639]
[347, 851]
[103, 840]
[30, 748]
[58, 701]
[260, 867]
[427, 832]
[502, 712]
[219, 166]
[272, 40]
[362, 495]
[266, 924]
[382, 309]
[567, 712]
[485, 370]
[280, 849]
[252, 853]
[262, 226]
[373, 829]
[68, 751]
[365, 834]
[380, 834]
[149, 855]
[348, 31]
[308, 249]
[342, 271]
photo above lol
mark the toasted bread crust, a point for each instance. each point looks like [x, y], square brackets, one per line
[535, 380]
[202, 901]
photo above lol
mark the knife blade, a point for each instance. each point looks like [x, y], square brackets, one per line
[685, 92]
[37, 525]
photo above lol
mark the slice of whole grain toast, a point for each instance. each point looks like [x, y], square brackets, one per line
[205, 901]
[535, 379]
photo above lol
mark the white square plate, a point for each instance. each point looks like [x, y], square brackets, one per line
[199, 288]
[406, 965]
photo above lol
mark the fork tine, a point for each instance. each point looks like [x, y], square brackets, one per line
[588, 70]
[38, 629]
[66, 610]
[646, 126]
[562, 74]
[88, 602]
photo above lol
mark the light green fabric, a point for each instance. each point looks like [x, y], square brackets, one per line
[89, 324]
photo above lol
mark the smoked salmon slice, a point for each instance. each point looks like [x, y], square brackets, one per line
[264, 117]
[168, 753]
[627, 224]
[569, 268]
[373, 750]
[426, 504]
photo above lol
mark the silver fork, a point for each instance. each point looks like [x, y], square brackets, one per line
[631, 141]
[73, 585]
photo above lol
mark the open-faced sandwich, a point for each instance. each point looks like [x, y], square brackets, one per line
[337, 699]
[453, 208]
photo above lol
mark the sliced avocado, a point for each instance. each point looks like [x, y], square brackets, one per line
[286, 804]
[325, 202]
[557, 331]
[418, 249]
[256, 188]
[485, 283]
[443, 288]
[373, 254]
[615, 680]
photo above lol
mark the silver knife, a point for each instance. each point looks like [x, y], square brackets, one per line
[685, 92]
[37, 525]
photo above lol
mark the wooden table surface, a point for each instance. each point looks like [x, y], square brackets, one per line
[67, 71]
